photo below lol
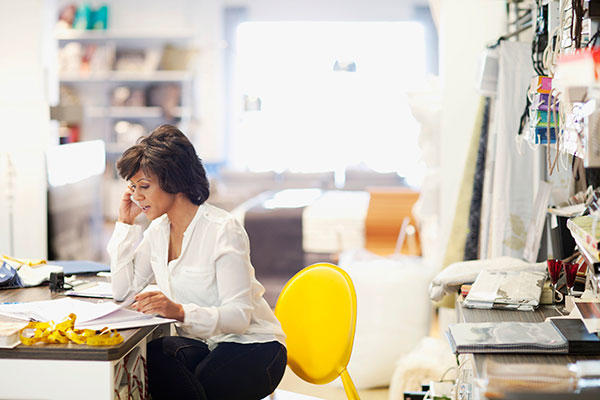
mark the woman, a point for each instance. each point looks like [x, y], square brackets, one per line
[229, 343]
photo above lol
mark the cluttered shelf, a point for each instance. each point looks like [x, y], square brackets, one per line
[485, 375]
[121, 35]
[126, 76]
[134, 112]
[582, 229]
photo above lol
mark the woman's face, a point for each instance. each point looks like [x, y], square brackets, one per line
[147, 192]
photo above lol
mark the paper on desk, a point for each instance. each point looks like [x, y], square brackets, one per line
[104, 290]
[89, 315]
[123, 319]
[57, 310]
[99, 290]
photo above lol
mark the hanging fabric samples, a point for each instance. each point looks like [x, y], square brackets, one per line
[510, 186]
[458, 235]
[472, 242]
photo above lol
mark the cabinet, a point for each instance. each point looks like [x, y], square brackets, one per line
[119, 85]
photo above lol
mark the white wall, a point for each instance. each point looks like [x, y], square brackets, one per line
[331, 10]
[23, 92]
[466, 27]
[24, 114]
[205, 18]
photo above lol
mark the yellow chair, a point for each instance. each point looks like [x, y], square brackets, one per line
[317, 310]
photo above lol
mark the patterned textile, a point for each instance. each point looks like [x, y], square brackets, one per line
[458, 235]
[472, 243]
[514, 178]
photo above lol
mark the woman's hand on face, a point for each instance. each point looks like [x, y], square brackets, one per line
[159, 304]
[128, 210]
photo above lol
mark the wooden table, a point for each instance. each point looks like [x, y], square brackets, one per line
[72, 371]
[472, 365]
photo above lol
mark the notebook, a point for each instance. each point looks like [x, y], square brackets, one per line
[580, 340]
[92, 289]
[506, 337]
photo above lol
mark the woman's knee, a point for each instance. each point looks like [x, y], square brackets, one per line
[276, 368]
[154, 349]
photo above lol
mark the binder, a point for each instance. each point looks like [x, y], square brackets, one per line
[580, 341]
[506, 337]
[555, 336]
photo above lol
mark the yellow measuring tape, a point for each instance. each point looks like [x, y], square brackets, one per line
[64, 332]
[31, 263]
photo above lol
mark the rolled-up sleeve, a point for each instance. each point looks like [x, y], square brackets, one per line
[234, 284]
[130, 267]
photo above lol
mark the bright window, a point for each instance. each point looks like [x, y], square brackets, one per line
[322, 96]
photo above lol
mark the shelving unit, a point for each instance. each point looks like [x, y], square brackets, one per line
[585, 243]
[133, 62]
[133, 112]
[576, 90]
[125, 77]
[121, 35]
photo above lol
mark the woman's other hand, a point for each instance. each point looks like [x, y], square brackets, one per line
[128, 210]
[159, 304]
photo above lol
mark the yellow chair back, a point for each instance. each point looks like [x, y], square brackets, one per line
[317, 311]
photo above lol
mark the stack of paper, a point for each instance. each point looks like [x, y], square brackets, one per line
[506, 337]
[92, 289]
[9, 334]
[89, 315]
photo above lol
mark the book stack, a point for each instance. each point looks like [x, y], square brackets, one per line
[9, 333]
[506, 337]
[556, 336]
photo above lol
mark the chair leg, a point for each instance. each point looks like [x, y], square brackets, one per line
[349, 388]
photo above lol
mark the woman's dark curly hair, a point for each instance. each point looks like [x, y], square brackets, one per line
[169, 155]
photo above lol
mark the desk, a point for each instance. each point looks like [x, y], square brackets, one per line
[72, 371]
[471, 365]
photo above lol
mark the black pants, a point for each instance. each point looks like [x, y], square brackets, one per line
[184, 368]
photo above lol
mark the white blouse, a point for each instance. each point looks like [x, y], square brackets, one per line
[212, 278]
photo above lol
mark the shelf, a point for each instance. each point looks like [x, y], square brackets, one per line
[131, 112]
[126, 76]
[581, 229]
[590, 258]
[103, 35]
[592, 276]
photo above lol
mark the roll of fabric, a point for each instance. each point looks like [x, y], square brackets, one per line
[514, 178]
[455, 249]
[472, 242]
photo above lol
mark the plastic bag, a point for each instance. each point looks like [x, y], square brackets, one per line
[9, 279]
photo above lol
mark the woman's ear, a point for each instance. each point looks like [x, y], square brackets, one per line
[181, 196]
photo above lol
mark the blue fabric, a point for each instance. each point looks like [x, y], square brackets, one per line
[80, 266]
[9, 279]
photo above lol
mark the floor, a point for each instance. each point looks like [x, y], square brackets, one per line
[334, 391]
[291, 383]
